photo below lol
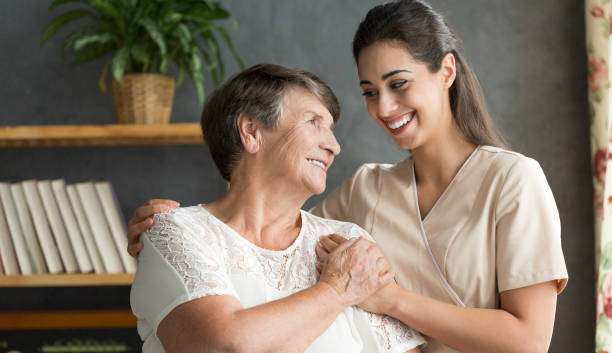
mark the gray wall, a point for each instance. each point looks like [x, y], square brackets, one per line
[529, 55]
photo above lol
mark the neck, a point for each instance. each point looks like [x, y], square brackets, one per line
[437, 162]
[260, 211]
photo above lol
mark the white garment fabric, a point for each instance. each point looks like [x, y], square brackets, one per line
[189, 254]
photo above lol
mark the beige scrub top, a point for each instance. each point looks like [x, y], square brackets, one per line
[496, 227]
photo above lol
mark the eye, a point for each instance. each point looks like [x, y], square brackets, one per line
[368, 94]
[398, 84]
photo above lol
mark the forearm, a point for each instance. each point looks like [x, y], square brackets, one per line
[290, 324]
[469, 330]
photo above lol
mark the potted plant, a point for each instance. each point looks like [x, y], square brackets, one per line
[146, 39]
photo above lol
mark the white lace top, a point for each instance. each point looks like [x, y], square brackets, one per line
[189, 254]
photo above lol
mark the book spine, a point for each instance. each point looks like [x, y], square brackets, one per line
[7, 252]
[85, 228]
[114, 217]
[72, 228]
[43, 230]
[19, 243]
[29, 233]
[95, 215]
[57, 226]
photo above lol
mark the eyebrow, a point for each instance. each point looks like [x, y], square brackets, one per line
[385, 76]
[317, 115]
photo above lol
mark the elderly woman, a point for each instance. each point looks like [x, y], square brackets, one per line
[239, 274]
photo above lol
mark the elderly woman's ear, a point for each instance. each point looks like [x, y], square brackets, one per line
[250, 133]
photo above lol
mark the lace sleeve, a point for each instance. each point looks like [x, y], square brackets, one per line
[392, 336]
[196, 258]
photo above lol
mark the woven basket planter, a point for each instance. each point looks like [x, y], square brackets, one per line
[144, 98]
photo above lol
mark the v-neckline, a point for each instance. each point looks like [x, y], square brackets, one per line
[423, 221]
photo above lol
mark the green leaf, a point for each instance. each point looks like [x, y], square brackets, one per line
[184, 36]
[216, 52]
[102, 38]
[102, 79]
[195, 70]
[155, 34]
[61, 20]
[141, 55]
[93, 52]
[105, 8]
[120, 63]
[56, 3]
[163, 65]
[230, 45]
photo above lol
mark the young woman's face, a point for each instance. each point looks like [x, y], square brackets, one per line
[408, 101]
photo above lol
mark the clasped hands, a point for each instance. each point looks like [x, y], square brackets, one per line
[358, 271]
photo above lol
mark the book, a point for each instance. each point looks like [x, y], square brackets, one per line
[90, 244]
[99, 227]
[43, 230]
[74, 234]
[7, 252]
[57, 226]
[19, 243]
[114, 217]
[25, 219]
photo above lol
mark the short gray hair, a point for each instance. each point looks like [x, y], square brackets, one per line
[258, 92]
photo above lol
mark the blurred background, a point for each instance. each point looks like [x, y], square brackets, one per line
[530, 57]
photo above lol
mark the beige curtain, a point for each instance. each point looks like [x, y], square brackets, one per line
[599, 51]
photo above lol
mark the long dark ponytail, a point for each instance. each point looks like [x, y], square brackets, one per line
[428, 38]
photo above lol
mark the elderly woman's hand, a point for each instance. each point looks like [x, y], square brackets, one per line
[356, 269]
[142, 220]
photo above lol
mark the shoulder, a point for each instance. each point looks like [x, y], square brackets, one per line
[324, 226]
[178, 226]
[510, 164]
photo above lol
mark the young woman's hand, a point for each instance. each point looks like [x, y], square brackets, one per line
[142, 220]
[356, 269]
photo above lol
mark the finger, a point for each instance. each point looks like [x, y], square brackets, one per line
[328, 244]
[143, 212]
[387, 278]
[382, 265]
[135, 230]
[337, 238]
[322, 254]
[170, 203]
[135, 249]
[344, 246]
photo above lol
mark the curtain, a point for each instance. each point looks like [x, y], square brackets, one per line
[599, 51]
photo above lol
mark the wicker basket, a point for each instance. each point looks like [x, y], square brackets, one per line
[144, 98]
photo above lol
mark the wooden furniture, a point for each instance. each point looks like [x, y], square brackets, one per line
[100, 135]
[82, 136]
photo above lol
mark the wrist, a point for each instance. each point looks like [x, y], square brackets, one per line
[393, 304]
[332, 295]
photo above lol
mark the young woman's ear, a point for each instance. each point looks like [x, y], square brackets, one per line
[250, 133]
[448, 69]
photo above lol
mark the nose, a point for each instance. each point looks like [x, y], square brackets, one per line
[386, 105]
[330, 144]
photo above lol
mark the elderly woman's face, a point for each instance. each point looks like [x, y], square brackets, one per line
[303, 146]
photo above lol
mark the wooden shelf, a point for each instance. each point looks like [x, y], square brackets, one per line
[67, 280]
[100, 135]
[68, 319]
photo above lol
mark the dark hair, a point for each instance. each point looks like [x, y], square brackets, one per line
[427, 37]
[258, 92]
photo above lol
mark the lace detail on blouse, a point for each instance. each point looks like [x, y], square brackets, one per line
[199, 264]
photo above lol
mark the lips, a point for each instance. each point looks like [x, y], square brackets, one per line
[399, 122]
[318, 163]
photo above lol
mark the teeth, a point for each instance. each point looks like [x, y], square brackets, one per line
[400, 123]
[317, 163]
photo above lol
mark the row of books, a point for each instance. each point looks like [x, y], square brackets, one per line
[47, 226]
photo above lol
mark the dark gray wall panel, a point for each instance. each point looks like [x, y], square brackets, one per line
[529, 55]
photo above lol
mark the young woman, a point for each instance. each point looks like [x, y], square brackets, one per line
[470, 228]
